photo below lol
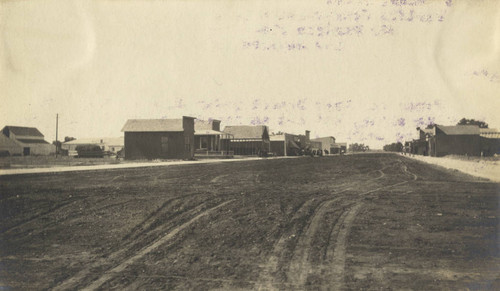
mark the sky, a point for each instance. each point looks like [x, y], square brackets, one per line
[362, 71]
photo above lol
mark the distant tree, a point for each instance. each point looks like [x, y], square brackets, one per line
[355, 147]
[465, 121]
[393, 147]
[68, 138]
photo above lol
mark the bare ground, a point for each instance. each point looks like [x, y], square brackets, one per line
[373, 221]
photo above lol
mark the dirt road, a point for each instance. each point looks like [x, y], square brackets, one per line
[373, 221]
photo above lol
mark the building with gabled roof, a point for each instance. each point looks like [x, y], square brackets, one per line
[29, 139]
[248, 139]
[440, 140]
[159, 138]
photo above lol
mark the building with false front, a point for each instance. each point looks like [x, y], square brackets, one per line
[159, 138]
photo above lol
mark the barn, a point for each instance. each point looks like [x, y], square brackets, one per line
[209, 140]
[29, 140]
[453, 140]
[159, 138]
[249, 139]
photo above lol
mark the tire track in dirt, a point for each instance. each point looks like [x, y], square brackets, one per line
[266, 279]
[337, 255]
[334, 262]
[110, 274]
[300, 266]
[72, 282]
[42, 214]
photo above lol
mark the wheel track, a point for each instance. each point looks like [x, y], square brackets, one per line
[266, 280]
[123, 263]
[44, 213]
[300, 265]
[334, 261]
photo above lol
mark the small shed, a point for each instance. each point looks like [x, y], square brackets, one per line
[159, 138]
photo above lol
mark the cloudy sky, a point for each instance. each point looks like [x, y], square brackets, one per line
[362, 71]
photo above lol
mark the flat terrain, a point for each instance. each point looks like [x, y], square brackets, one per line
[371, 221]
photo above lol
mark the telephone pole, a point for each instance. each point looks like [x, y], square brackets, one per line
[57, 129]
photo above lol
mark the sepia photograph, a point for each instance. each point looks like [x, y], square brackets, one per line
[250, 145]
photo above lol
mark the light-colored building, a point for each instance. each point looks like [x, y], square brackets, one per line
[30, 141]
[327, 143]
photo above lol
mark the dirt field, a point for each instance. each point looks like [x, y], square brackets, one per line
[372, 221]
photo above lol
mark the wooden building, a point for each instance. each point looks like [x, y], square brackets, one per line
[29, 140]
[490, 141]
[449, 140]
[159, 138]
[209, 140]
[286, 144]
[249, 139]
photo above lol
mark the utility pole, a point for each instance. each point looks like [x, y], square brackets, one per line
[57, 129]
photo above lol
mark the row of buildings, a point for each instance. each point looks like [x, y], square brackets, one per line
[439, 140]
[188, 137]
[182, 138]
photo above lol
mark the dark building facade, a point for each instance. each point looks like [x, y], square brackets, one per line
[490, 141]
[159, 138]
[442, 140]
